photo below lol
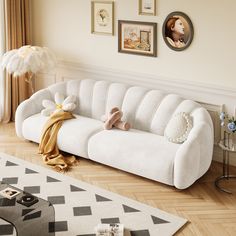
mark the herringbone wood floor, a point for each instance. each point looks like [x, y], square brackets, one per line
[208, 211]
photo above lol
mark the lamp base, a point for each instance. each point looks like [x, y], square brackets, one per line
[29, 80]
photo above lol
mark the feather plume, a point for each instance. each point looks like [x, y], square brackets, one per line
[28, 59]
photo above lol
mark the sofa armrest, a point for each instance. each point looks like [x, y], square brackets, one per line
[194, 156]
[29, 107]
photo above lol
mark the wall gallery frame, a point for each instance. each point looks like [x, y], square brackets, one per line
[137, 37]
[147, 7]
[102, 17]
[177, 31]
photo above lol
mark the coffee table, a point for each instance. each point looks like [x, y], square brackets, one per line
[37, 219]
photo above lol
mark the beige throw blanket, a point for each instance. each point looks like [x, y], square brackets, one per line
[48, 142]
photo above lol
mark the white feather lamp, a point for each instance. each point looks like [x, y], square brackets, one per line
[28, 59]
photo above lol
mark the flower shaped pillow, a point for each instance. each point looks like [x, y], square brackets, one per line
[60, 104]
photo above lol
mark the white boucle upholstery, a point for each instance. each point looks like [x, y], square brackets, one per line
[72, 137]
[143, 150]
[134, 149]
[164, 112]
[147, 109]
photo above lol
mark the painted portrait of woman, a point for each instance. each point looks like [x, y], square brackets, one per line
[177, 31]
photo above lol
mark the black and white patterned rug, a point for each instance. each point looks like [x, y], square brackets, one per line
[79, 206]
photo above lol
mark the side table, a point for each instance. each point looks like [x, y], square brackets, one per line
[227, 148]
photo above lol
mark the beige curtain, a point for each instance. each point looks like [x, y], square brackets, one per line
[2, 50]
[18, 33]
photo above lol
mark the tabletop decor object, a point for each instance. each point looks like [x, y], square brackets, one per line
[228, 126]
[227, 121]
[28, 60]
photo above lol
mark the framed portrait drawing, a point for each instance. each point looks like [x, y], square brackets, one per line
[102, 17]
[147, 7]
[177, 31]
[137, 38]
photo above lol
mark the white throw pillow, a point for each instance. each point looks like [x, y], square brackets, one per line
[178, 128]
[60, 103]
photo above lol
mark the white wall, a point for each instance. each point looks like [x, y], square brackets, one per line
[64, 26]
[204, 72]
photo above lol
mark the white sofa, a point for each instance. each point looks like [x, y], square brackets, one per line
[143, 150]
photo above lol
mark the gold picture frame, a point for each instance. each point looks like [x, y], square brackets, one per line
[102, 17]
[136, 37]
[147, 7]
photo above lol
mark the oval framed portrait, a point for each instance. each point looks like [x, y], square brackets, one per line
[177, 31]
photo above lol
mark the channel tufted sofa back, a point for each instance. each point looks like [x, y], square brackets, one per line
[146, 110]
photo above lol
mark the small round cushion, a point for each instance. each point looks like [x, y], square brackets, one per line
[178, 127]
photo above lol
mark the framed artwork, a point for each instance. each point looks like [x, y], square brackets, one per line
[137, 38]
[102, 17]
[177, 31]
[147, 7]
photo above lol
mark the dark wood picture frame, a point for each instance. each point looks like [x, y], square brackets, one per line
[177, 31]
[137, 37]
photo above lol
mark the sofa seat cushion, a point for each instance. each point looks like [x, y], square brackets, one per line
[135, 151]
[72, 137]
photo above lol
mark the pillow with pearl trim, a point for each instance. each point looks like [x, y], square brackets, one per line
[178, 128]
